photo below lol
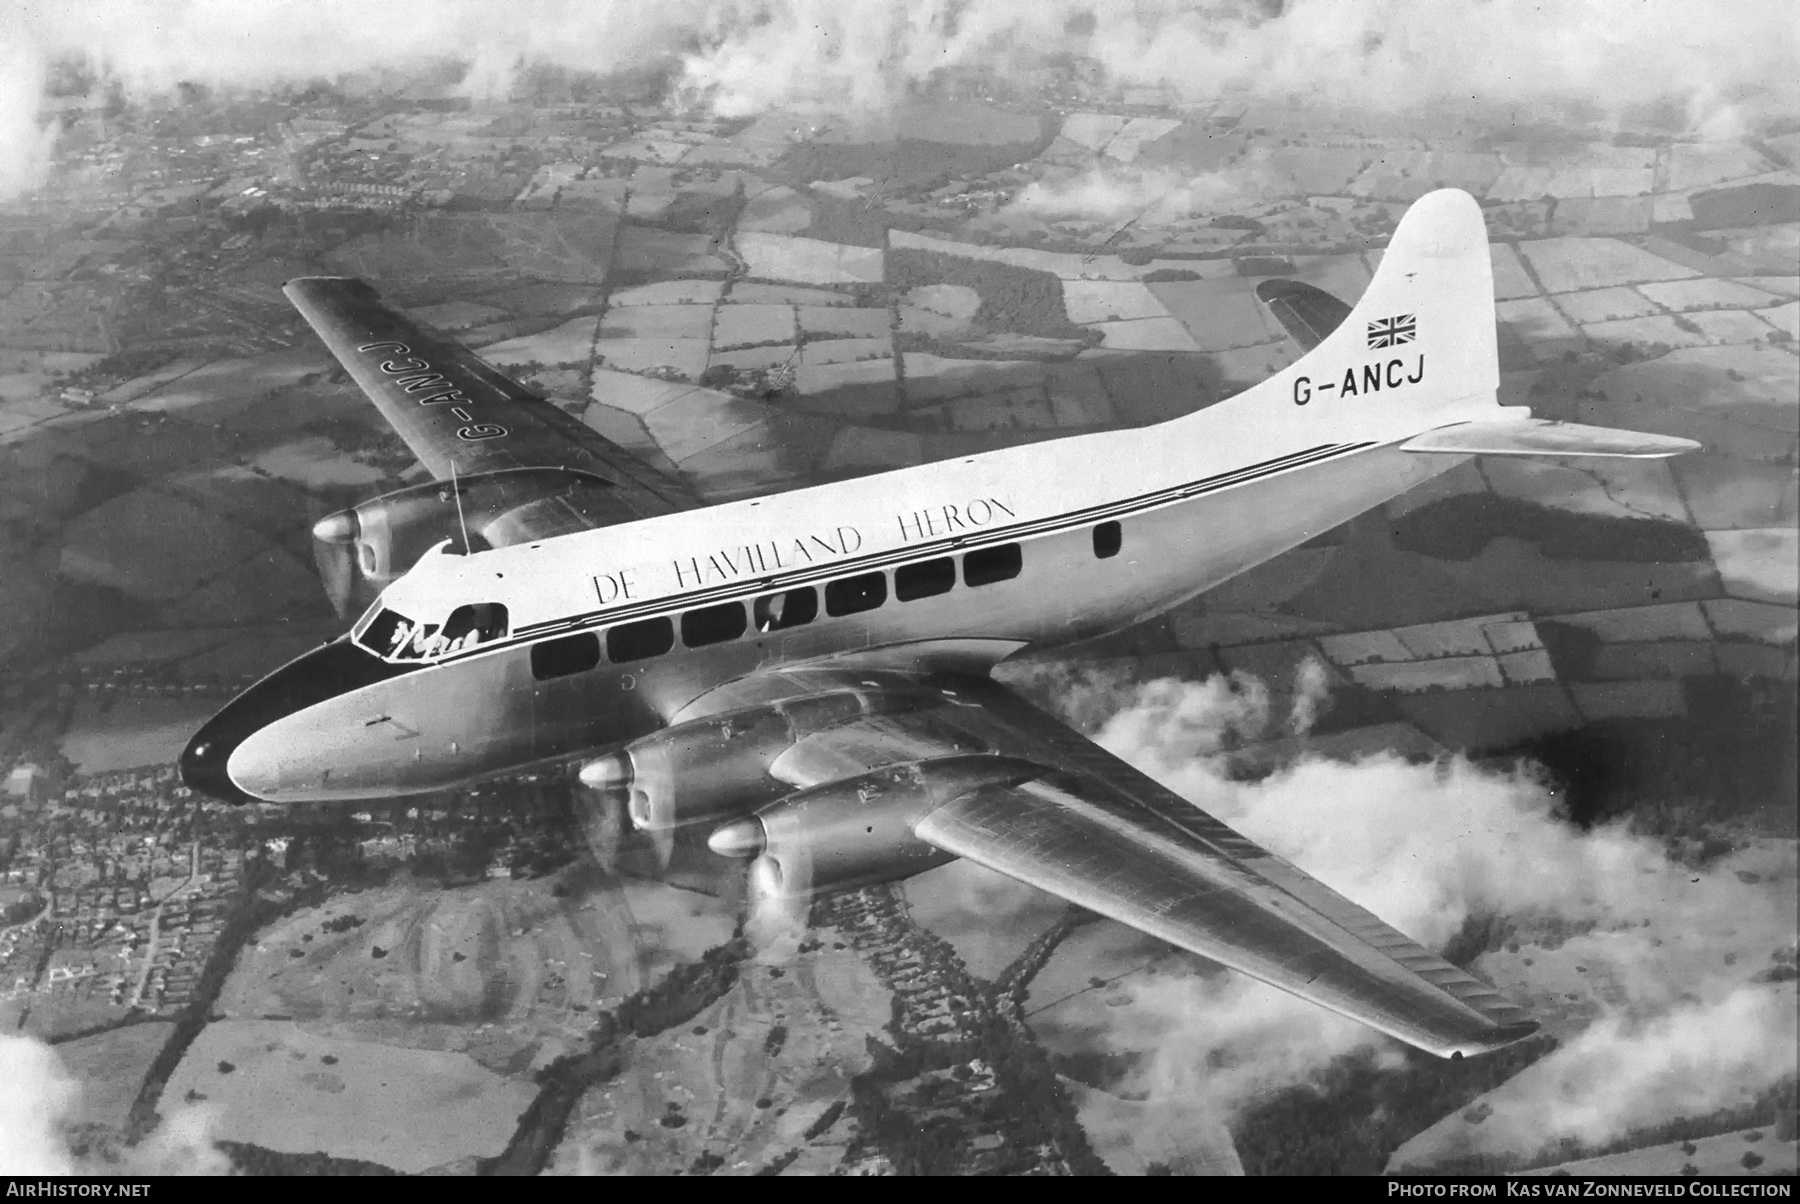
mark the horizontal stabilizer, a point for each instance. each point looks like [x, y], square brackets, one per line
[1539, 437]
[1308, 314]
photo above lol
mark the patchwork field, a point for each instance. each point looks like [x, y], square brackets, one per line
[748, 325]
[834, 321]
[1105, 301]
[808, 260]
[1537, 321]
[746, 1078]
[1762, 565]
[844, 351]
[668, 292]
[1606, 305]
[1220, 314]
[315, 461]
[1732, 326]
[1644, 332]
[110, 1068]
[271, 1083]
[683, 357]
[1565, 265]
[121, 544]
[1618, 488]
[505, 972]
[570, 343]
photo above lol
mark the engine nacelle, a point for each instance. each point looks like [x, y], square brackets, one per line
[858, 831]
[361, 550]
[720, 766]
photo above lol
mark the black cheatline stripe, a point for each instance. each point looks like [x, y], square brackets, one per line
[767, 583]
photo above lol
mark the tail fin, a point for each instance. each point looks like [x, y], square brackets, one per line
[1417, 354]
[1432, 297]
[1417, 351]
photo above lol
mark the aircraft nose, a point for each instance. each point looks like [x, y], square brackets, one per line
[203, 764]
[324, 673]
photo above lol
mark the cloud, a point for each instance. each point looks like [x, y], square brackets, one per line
[1723, 69]
[1426, 847]
[38, 1094]
[181, 1145]
[25, 144]
[39, 1098]
[1688, 1061]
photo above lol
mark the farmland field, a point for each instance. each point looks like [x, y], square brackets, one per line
[843, 351]
[1606, 305]
[1147, 334]
[1568, 264]
[668, 292]
[1537, 321]
[1706, 293]
[1761, 565]
[1676, 621]
[1220, 314]
[829, 321]
[747, 325]
[658, 322]
[808, 260]
[1109, 301]
[686, 357]
[1618, 488]
[570, 343]
[1731, 326]
[411, 1109]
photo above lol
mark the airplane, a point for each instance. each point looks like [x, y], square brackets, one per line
[804, 678]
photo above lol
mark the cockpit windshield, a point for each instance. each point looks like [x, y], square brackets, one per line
[391, 634]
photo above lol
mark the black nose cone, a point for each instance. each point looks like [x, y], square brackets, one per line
[325, 672]
[204, 760]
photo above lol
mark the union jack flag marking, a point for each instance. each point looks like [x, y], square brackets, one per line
[1391, 332]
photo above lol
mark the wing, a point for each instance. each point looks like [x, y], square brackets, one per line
[1095, 831]
[1308, 314]
[452, 408]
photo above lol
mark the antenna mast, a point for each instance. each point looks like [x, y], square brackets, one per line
[460, 520]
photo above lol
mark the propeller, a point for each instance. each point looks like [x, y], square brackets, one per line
[778, 883]
[606, 801]
[602, 815]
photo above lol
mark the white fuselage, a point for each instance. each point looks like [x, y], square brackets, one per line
[1197, 500]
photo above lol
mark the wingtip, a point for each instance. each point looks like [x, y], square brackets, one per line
[1497, 1038]
[349, 284]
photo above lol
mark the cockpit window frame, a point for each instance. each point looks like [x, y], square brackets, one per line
[425, 641]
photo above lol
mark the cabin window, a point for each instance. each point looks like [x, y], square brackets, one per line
[925, 579]
[853, 595]
[984, 566]
[635, 641]
[791, 608]
[469, 626]
[1108, 539]
[712, 624]
[565, 655]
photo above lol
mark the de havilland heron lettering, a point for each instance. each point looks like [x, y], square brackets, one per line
[803, 678]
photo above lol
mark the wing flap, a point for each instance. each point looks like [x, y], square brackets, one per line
[1542, 437]
[1085, 841]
